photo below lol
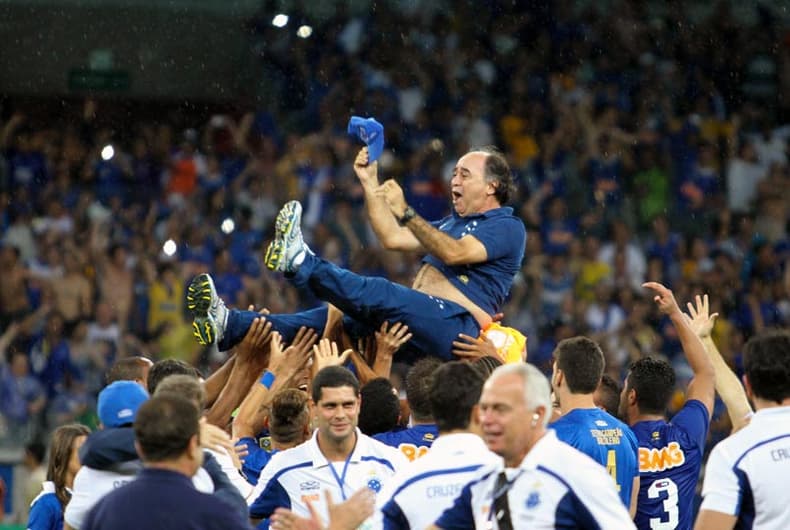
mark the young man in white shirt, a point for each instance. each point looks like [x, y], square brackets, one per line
[745, 479]
[420, 492]
[338, 458]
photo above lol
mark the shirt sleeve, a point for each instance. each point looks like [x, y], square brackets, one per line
[45, 514]
[459, 516]
[272, 497]
[393, 518]
[591, 500]
[694, 419]
[722, 488]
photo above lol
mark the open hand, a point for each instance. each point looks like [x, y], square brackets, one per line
[388, 341]
[325, 354]
[699, 319]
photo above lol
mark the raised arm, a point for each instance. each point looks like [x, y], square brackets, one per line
[391, 235]
[250, 359]
[702, 385]
[727, 384]
[451, 251]
[284, 366]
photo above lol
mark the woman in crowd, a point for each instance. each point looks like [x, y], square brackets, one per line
[46, 511]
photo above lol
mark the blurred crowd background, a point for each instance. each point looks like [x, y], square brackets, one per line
[649, 141]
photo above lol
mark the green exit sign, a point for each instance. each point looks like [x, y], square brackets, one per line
[105, 80]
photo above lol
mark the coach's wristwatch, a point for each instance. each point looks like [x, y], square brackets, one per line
[408, 215]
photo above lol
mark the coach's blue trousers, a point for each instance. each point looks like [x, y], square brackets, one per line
[367, 302]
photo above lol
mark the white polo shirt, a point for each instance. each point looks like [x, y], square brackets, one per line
[746, 475]
[91, 485]
[556, 486]
[294, 476]
[421, 491]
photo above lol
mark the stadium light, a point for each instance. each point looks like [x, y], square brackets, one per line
[304, 31]
[107, 152]
[228, 226]
[169, 248]
[280, 20]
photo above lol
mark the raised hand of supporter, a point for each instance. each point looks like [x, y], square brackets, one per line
[263, 311]
[350, 513]
[240, 450]
[233, 453]
[343, 516]
[392, 194]
[388, 341]
[470, 348]
[664, 299]
[254, 341]
[366, 171]
[325, 354]
[290, 361]
[214, 438]
[699, 318]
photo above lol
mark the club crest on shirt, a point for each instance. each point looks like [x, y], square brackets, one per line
[374, 484]
[533, 500]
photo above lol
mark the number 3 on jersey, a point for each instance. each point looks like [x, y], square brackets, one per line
[665, 485]
[611, 466]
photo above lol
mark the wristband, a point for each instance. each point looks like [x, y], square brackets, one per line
[268, 379]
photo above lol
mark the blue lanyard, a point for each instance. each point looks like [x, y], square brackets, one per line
[341, 480]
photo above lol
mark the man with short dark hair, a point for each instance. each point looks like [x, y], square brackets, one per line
[472, 257]
[166, 367]
[746, 475]
[167, 439]
[670, 453]
[338, 458]
[422, 490]
[380, 409]
[130, 369]
[228, 483]
[417, 439]
[607, 395]
[577, 371]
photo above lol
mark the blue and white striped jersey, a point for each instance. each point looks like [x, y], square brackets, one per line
[421, 491]
[556, 486]
[300, 474]
[746, 474]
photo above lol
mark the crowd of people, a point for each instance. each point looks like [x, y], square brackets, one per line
[637, 153]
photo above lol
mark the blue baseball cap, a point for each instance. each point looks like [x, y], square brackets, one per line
[369, 131]
[119, 401]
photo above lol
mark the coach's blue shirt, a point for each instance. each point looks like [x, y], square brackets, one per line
[670, 456]
[504, 237]
[605, 439]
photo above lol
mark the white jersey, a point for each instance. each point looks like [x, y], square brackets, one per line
[421, 491]
[234, 475]
[302, 473]
[747, 472]
[90, 485]
[556, 486]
